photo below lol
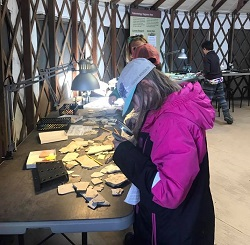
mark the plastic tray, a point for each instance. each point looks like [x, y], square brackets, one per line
[50, 124]
[48, 174]
[68, 109]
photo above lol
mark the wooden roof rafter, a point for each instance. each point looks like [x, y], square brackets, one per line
[157, 4]
[197, 6]
[135, 4]
[177, 5]
[240, 5]
[217, 6]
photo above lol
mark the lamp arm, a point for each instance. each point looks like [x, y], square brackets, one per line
[10, 86]
[172, 52]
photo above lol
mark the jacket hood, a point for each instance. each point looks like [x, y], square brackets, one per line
[191, 103]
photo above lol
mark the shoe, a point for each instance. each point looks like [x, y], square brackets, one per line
[228, 118]
[129, 239]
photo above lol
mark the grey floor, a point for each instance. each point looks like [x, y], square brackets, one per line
[229, 147]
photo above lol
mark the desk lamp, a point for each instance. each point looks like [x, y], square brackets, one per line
[85, 80]
[10, 86]
[182, 55]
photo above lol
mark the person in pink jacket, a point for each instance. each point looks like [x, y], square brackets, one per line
[169, 163]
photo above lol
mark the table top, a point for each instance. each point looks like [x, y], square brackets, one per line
[234, 73]
[22, 207]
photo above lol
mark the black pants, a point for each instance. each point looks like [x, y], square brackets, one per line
[216, 91]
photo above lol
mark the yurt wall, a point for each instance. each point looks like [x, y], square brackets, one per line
[40, 34]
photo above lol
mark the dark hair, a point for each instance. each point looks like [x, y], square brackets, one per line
[208, 45]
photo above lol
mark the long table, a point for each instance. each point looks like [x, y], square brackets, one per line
[235, 81]
[23, 208]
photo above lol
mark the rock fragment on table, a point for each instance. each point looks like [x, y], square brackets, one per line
[65, 189]
[98, 188]
[71, 164]
[81, 186]
[87, 163]
[112, 168]
[115, 180]
[96, 181]
[117, 191]
[96, 149]
[74, 179]
[96, 175]
[90, 193]
[70, 157]
[97, 202]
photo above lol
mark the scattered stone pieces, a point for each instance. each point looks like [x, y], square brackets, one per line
[98, 201]
[65, 189]
[96, 149]
[81, 186]
[71, 147]
[74, 179]
[96, 181]
[101, 156]
[91, 142]
[90, 193]
[110, 169]
[98, 188]
[114, 180]
[91, 132]
[96, 175]
[89, 123]
[117, 191]
[71, 164]
[70, 157]
[102, 136]
[87, 163]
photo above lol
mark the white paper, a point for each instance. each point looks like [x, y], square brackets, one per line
[78, 130]
[133, 196]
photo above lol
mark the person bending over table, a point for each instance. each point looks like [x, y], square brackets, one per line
[213, 85]
[169, 164]
[138, 47]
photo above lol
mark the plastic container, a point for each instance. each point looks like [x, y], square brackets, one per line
[51, 124]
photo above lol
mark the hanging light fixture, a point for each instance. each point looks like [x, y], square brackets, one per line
[85, 80]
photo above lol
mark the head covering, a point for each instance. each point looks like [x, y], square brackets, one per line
[131, 75]
[148, 52]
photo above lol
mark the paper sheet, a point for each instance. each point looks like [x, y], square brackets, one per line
[133, 196]
[77, 130]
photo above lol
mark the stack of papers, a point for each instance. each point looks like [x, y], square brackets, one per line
[52, 136]
[40, 156]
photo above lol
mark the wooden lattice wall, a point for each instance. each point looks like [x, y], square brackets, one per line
[37, 34]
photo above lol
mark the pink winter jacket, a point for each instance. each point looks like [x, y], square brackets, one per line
[177, 131]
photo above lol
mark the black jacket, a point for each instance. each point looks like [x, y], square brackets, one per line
[191, 223]
[211, 66]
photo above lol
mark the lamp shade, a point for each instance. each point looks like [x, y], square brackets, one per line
[85, 82]
[182, 54]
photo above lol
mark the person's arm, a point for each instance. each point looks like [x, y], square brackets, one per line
[113, 96]
[174, 166]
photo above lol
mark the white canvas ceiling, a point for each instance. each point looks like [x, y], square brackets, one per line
[228, 7]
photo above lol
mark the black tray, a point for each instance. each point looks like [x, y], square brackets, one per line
[49, 174]
[49, 124]
[68, 109]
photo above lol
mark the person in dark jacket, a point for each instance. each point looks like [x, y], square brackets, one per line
[168, 166]
[214, 86]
